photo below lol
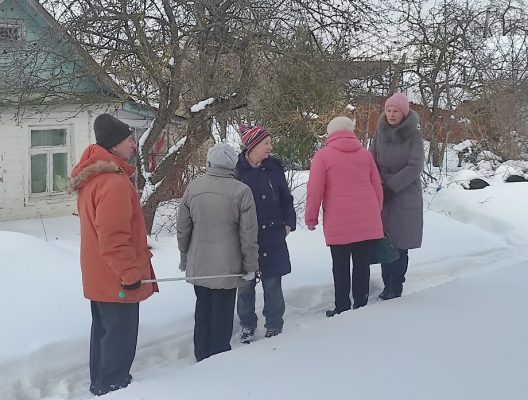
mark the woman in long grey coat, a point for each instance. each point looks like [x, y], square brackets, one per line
[398, 151]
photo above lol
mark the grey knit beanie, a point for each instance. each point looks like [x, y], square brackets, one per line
[222, 155]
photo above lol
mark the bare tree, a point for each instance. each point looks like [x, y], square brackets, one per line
[439, 41]
[499, 108]
[172, 54]
[456, 52]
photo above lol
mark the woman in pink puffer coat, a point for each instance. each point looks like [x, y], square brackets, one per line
[345, 180]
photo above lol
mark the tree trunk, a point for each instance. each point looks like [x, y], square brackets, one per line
[171, 187]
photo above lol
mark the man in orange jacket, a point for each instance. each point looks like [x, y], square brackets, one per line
[114, 253]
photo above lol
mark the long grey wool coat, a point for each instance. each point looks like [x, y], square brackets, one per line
[399, 155]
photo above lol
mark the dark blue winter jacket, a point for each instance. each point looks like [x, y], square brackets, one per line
[274, 210]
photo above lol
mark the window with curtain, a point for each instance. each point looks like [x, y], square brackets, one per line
[49, 160]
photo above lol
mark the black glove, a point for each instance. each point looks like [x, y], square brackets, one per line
[132, 286]
[387, 194]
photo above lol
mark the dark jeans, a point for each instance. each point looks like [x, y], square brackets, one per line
[274, 306]
[113, 343]
[361, 254]
[213, 321]
[393, 274]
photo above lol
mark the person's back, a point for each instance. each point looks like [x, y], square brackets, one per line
[216, 201]
[217, 236]
[345, 180]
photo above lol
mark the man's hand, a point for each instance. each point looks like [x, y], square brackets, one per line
[132, 286]
[288, 229]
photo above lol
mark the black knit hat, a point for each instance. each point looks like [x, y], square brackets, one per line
[109, 131]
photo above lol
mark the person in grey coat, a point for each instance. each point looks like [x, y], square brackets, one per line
[398, 151]
[217, 235]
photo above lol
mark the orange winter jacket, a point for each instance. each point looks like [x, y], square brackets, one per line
[114, 247]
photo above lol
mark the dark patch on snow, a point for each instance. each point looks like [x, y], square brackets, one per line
[477, 183]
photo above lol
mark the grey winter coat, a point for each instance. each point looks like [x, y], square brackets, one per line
[217, 229]
[399, 155]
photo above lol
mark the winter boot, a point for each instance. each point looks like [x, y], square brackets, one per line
[391, 292]
[99, 391]
[384, 295]
[246, 336]
[335, 311]
[360, 302]
[271, 332]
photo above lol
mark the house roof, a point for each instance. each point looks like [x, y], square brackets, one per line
[101, 87]
[102, 77]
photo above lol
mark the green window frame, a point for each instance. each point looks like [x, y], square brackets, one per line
[49, 160]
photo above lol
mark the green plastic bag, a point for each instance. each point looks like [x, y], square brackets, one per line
[384, 252]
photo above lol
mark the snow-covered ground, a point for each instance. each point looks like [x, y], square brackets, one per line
[459, 332]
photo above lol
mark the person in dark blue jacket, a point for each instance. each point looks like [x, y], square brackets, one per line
[276, 217]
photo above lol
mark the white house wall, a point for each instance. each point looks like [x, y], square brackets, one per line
[15, 199]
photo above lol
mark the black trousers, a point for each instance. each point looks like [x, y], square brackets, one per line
[213, 321]
[113, 343]
[393, 274]
[361, 253]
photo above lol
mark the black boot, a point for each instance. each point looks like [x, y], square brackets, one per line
[335, 311]
[391, 292]
[361, 302]
[384, 295]
[393, 295]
